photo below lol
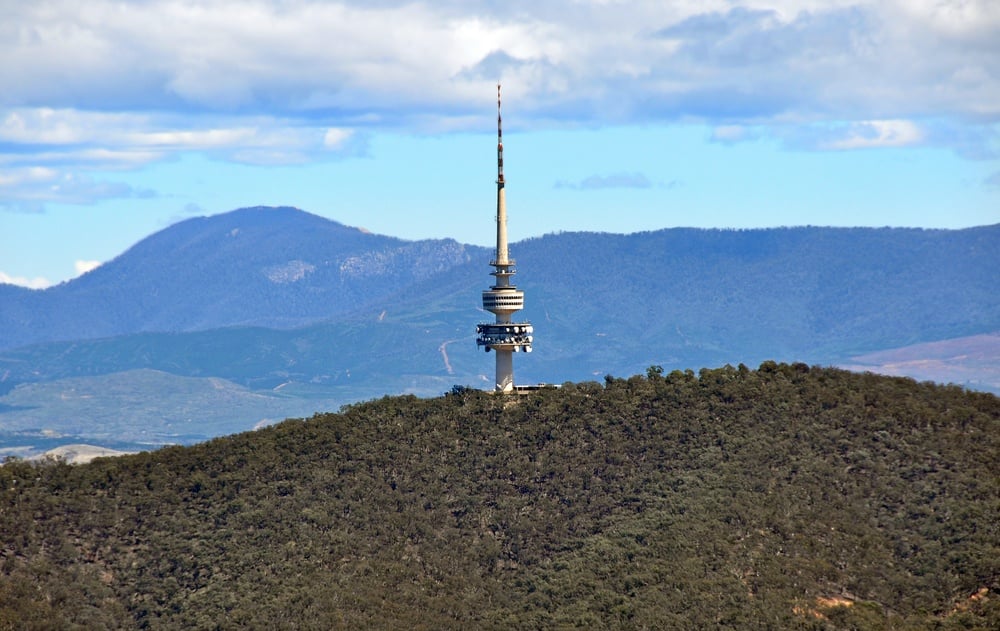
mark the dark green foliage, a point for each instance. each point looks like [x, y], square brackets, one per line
[783, 497]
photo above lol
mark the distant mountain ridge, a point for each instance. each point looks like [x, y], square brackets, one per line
[302, 310]
[284, 268]
[277, 267]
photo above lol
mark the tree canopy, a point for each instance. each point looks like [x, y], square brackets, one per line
[784, 497]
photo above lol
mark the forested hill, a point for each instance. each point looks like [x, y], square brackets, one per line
[779, 498]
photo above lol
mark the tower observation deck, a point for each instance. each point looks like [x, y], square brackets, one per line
[504, 337]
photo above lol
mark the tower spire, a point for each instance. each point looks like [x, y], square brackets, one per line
[503, 299]
[502, 254]
[499, 140]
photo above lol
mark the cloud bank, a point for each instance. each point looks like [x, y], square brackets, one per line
[107, 85]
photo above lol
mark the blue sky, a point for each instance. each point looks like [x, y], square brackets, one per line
[120, 118]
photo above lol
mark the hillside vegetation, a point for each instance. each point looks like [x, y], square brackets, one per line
[777, 498]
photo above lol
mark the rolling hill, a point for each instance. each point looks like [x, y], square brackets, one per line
[786, 497]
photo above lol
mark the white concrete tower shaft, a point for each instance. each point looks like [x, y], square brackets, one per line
[503, 299]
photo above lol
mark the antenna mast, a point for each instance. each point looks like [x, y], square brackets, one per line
[499, 140]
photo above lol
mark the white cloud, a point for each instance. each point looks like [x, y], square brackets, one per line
[733, 133]
[26, 175]
[335, 137]
[338, 60]
[82, 267]
[966, 18]
[114, 85]
[28, 189]
[886, 133]
[38, 282]
[133, 139]
[31, 283]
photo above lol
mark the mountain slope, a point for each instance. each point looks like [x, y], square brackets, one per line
[757, 293]
[267, 299]
[676, 298]
[784, 497]
[797, 293]
[277, 267]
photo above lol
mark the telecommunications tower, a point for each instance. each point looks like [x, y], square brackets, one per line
[503, 299]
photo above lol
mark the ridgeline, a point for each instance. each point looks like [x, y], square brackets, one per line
[778, 498]
[219, 324]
